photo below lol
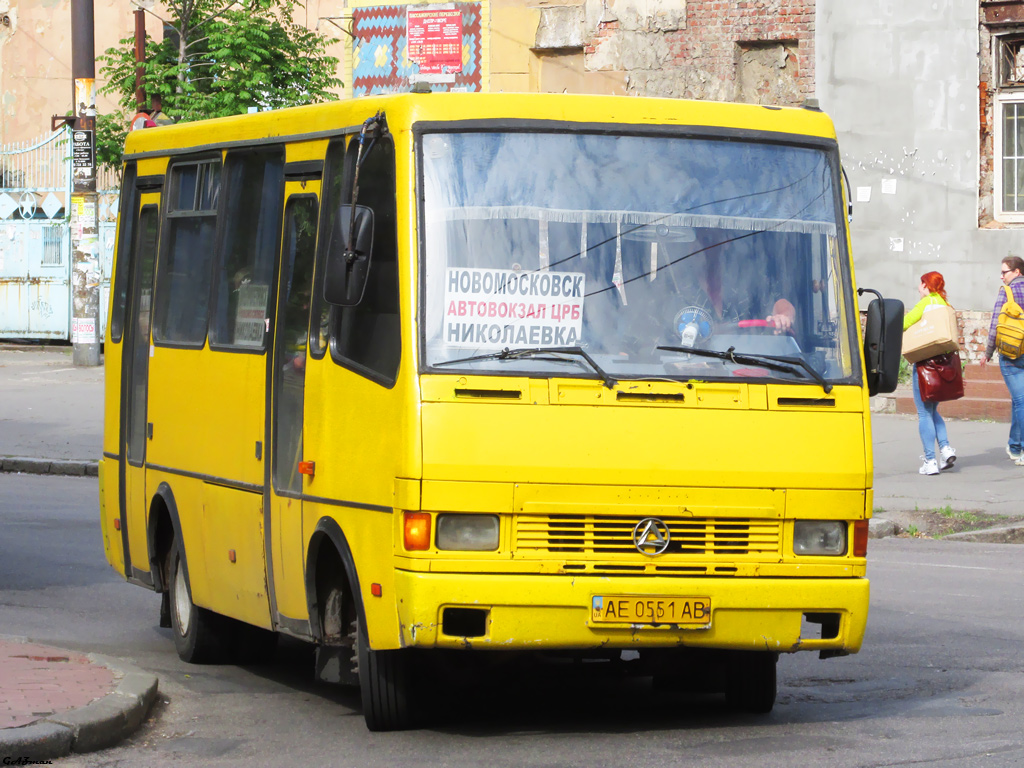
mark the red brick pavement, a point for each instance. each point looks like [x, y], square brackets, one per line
[37, 681]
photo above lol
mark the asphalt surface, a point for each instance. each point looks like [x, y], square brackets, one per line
[53, 701]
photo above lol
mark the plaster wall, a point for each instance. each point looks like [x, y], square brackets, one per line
[35, 60]
[900, 80]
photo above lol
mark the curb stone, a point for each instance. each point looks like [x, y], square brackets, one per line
[48, 466]
[880, 528]
[1003, 534]
[99, 724]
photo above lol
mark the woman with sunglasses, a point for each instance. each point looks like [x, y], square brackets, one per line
[1013, 370]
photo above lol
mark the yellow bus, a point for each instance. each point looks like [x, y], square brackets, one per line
[486, 372]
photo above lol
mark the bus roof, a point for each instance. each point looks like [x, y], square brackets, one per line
[404, 110]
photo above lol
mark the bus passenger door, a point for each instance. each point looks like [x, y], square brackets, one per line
[287, 399]
[135, 382]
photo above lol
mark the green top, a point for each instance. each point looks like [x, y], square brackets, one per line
[915, 314]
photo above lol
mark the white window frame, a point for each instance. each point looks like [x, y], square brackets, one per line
[1003, 100]
[1003, 96]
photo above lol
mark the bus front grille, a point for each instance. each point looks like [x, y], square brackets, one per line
[584, 535]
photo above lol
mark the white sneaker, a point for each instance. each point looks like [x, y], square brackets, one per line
[930, 467]
[1013, 456]
[947, 455]
[1020, 461]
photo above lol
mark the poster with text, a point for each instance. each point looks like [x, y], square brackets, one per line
[497, 308]
[435, 40]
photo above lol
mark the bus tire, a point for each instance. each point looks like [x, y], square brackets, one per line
[198, 633]
[752, 684]
[385, 687]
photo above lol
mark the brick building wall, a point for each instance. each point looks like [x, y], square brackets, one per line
[759, 51]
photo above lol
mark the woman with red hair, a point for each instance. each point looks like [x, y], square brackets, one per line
[929, 423]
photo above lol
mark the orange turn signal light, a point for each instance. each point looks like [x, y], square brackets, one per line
[307, 468]
[860, 538]
[416, 529]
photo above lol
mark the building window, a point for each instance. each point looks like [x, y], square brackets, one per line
[1010, 63]
[53, 247]
[1008, 119]
[1011, 124]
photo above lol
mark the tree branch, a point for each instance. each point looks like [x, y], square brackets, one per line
[215, 14]
[139, 5]
[190, 43]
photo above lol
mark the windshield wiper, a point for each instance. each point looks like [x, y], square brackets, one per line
[774, 362]
[537, 352]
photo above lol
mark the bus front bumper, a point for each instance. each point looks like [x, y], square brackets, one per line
[558, 612]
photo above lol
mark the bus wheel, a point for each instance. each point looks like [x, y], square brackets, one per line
[385, 686]
[198, 633]
[751, 684]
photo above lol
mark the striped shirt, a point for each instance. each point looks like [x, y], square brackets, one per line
[1017, 289]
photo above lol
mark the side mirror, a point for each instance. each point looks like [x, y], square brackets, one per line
[348, 256]
[883, 343]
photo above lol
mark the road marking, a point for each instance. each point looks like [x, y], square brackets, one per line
[939, 565]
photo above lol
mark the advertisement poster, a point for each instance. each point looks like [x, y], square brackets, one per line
[397, 46]
[435, 40]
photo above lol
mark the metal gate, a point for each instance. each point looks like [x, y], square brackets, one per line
[35, 238]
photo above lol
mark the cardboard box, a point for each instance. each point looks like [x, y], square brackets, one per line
[935, 333]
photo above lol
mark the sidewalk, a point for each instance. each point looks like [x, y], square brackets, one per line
[51, 413]
[53, 702]
[983, 479]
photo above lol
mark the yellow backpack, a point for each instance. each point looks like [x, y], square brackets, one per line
[1010, 328]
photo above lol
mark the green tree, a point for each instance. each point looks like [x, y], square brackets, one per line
[223, 57]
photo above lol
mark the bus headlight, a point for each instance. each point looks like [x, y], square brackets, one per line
[478, 533]
[819, 537]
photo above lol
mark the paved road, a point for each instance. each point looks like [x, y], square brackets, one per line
[937, 682]
[50, 409]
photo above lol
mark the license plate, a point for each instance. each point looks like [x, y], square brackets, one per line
[636, 609]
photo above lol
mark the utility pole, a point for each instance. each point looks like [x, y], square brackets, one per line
[85, 245]
[140, 59]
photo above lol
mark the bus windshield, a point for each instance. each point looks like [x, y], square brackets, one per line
[649, 253]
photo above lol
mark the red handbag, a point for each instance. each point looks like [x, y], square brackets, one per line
[941, 378]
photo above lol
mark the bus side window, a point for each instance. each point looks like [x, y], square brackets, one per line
[185, 268]
[125, 225]
[337, 190]
[244, 268]
[367, 337]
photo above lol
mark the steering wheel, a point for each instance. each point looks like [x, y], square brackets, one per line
[754, 327]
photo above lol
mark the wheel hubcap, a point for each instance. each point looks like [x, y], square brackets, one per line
[182, 604]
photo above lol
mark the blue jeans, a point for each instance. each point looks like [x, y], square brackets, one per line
[1013, 375]
[929, 422]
